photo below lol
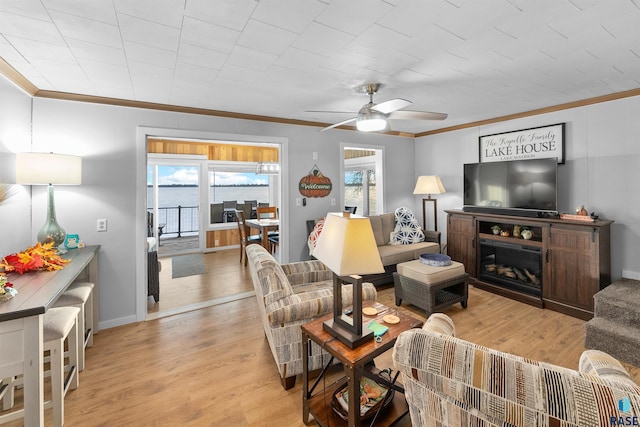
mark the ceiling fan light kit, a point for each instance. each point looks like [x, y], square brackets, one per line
[371, 120]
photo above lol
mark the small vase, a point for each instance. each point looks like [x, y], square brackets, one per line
[516, 230]
[526, 234]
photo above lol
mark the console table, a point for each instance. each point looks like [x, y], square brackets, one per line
[565, 263]
[21, 322]
[354, 361]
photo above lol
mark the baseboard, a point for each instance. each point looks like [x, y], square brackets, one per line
[116, 322]
[628, 274]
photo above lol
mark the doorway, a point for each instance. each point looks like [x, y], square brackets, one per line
[222, 266]
[173, 205]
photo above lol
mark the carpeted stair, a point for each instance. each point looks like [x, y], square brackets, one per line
[615, 327]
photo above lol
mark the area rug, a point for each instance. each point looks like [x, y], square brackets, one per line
[187, 265]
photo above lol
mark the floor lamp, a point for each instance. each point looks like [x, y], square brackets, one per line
[49, 169]
[429, 184]
[347, 247]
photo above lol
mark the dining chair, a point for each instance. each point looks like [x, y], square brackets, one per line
[254, 205]
[247, 209]
[267, 212]
[229, 206]
[270, 212]
[217, 210]
[246, 238]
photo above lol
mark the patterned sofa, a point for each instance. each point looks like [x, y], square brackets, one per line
[451, 382]
[288, 296]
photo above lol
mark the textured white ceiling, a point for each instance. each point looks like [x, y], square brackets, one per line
[472, 59]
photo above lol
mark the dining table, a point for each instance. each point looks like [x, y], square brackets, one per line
[21, 322]
[265, 226]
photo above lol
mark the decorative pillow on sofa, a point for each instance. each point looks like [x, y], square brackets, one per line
[407, 230]
[313, 236]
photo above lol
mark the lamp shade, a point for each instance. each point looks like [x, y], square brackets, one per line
[48, 168]
[429, 184]
[347, 245]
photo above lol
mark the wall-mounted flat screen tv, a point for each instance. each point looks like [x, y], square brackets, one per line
[517, 187]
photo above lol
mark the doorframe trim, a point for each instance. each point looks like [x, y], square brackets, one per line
[144, 132]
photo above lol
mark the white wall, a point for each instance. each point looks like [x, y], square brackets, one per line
[601, 171]
[15, 200]
[105, 136]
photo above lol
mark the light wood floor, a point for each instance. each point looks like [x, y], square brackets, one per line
[224, 277]
[213, 366]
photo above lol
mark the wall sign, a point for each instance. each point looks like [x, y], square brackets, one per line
[315, 184]
[535, 143]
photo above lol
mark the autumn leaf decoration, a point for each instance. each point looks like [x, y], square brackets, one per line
[38, 257]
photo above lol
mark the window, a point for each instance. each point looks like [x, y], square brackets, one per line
[362, 185]
[237, 186]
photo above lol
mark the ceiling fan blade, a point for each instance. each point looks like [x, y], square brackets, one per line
[339, 124]
[325, 111]
[391, 105]
[417, 115]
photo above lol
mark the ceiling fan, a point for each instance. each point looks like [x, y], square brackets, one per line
[373, 117]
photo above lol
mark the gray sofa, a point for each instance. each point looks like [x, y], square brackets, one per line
[390, 254]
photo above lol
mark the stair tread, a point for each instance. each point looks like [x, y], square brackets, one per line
[614, 328]
[624, 293]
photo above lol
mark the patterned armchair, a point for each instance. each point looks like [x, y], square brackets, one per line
[451, 382]
[288, 296]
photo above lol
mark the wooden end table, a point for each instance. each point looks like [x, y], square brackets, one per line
[354, 362]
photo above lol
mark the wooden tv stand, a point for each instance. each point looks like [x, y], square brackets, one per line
[570, 260]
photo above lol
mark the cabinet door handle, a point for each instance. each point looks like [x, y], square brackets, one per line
[473, 242]
[546, 255]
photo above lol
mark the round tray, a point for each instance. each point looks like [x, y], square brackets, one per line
[436, 260]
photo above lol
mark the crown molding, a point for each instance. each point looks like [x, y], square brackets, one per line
[23, 83]
[16, 78]
[536, 112]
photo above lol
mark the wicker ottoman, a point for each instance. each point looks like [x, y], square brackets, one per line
[431, 288]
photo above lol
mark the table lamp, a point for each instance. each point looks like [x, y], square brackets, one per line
[49, 169]
[429, 184]
[348, 247]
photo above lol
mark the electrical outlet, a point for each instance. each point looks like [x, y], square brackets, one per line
[216, 242]
[299, 201]
[333, 201]
[101, 225]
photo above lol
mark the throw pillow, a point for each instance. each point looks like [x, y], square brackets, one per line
[407, 230]
[313, 237]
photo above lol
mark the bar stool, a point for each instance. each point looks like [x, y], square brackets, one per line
[59, 324]
[80, 295]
